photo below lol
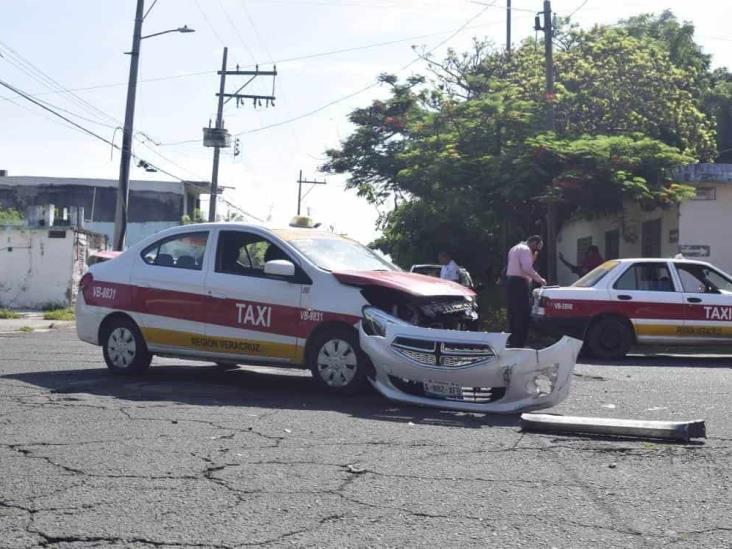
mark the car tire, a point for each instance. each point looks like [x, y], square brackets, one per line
[337, 362]
[609, 338]
[124, 348]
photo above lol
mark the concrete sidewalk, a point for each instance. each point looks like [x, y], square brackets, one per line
[31, 321]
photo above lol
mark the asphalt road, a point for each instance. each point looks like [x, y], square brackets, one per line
[194, 456]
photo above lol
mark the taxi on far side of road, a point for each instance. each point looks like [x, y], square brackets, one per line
[301, 297]
[640, 301]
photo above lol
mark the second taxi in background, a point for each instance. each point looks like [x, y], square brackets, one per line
[640, 301]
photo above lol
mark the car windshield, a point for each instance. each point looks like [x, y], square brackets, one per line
[595, 275]
[340, 254]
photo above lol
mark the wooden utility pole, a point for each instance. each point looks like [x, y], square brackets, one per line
[300, 182]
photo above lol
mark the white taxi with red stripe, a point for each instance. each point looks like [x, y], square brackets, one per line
[644, 301]
[236, 293]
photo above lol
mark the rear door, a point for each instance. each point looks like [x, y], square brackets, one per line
[708, 302]
[251, 315]
[168, 291]
[647, 294]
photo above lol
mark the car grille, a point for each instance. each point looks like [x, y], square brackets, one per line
[439, 354]
[475, 395]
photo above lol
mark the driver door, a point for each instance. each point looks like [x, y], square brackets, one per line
[251, 315]
[708, 302]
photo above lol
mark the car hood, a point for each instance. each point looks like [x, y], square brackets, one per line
[410, 283]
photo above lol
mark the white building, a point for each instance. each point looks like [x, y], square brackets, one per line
[152, 207]
[699, 228]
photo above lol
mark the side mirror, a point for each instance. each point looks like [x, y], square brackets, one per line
[279, 267]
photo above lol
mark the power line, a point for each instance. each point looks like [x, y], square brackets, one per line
[372, 85]
[80, 127]
[210, 25]
[575, 10]
[348, 96]
[238, 33]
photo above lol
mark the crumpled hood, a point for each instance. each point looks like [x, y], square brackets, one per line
[410, 283]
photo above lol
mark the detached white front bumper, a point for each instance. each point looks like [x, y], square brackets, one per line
[469, 371]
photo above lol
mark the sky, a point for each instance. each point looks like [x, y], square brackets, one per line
[80, 45]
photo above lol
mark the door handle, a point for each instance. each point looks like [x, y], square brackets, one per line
[694, 300]
[218, 295]
[625, 297]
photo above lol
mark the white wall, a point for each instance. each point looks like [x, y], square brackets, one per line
[709, 223]
[36, 270]
[628, 223]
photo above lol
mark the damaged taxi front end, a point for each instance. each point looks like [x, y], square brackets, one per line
[463, 370]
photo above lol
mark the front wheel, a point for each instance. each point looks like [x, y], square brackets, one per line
[337, 362]
[609, 338]
[124, 348]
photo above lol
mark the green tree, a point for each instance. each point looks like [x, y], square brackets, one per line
[466, 158]
[9, 216]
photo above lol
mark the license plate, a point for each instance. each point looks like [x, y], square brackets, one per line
[443, 389]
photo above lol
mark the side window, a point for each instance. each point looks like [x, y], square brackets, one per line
[649, 277]
[700, 279]
[183, 251]
[245, 253]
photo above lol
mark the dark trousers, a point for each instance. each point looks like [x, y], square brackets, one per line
[519, 310]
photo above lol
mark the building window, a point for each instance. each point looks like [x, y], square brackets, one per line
[612, 244]
[583, 245]
[651, 238]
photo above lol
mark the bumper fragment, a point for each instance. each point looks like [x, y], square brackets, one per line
[468, 371]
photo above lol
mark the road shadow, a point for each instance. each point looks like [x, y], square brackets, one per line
[214, 386]
[665, 360]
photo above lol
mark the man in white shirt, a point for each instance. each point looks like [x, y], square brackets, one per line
[449, 269]
[519, 274]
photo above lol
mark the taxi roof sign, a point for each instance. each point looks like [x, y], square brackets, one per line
[304, 222]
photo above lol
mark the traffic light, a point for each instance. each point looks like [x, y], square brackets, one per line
[237, 150]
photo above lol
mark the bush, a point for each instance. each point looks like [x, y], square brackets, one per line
[59, 314]
[7, 313]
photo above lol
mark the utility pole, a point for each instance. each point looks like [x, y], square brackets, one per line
[549, 97]
[508, 27]
[300, 182]
[120, 214]
[219, 137]
[217, 150]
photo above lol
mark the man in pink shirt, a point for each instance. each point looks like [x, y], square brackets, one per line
[519, 274]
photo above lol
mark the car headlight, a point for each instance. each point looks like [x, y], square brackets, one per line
[373, 325]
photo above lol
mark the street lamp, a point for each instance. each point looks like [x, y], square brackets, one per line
[120, 217]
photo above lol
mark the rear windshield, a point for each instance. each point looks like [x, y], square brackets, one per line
[595, 275]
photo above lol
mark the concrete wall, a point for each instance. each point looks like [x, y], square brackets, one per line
[629, 225]
[36, 270]
[705, 224]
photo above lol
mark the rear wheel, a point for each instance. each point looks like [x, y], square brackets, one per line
[124, 348]
[609, 338]
[337, 362]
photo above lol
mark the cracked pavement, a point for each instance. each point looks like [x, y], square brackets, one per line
[192, 455]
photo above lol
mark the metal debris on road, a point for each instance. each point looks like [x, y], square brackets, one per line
[627, 428]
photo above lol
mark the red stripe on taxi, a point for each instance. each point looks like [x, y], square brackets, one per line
[247, 315]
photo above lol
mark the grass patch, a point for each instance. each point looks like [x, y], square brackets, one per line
[25, 329]
[7, 313]
[59, 314]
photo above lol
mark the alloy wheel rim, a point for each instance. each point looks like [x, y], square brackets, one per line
[337, 363]
[121, 347]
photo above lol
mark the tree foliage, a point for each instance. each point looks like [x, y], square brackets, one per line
[466, 156]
